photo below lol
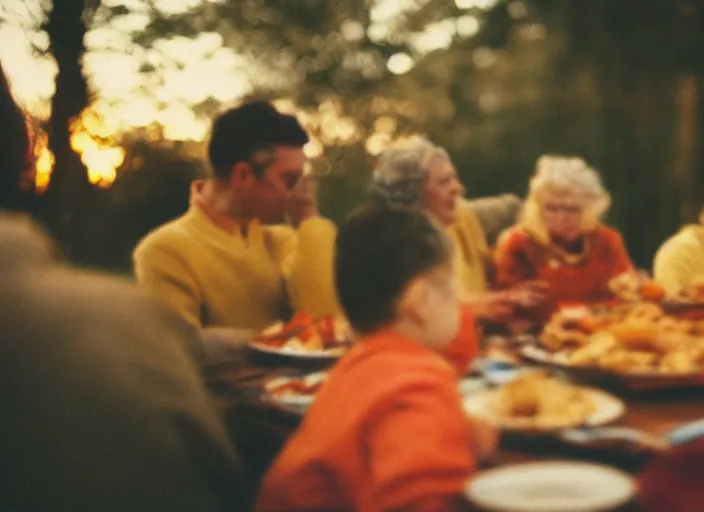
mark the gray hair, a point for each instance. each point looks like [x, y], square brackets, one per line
[401, 171]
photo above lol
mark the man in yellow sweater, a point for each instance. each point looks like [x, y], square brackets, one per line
[679, 263]
[233, 260]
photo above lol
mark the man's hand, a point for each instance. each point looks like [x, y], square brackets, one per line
[302, 201]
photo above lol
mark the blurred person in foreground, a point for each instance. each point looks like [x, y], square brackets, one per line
[679, 263]
[387, 430]
[560, 238]
[103, 406]
[252, 242]
[15, 150]
[672, 482]
[419, 174]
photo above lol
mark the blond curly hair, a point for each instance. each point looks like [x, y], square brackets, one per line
[570, 178]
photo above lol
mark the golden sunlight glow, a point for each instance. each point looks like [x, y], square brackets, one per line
[385, 124]
[377, 143]
[400, 63]
[285, 106]
[436, 36]
[467, 26]
[91, 139]
[476, 4]
[313, 149]
[44, 162]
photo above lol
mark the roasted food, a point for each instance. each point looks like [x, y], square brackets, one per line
[694, 293]
[635, 287]
[544, 401]
[307, 333]
[631, 338]
[308, 385]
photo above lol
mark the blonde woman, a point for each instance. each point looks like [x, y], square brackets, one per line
[679, 263]
[417, 173]
[560, 238]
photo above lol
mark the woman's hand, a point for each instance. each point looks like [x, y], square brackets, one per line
[491, 307]
[528, 294]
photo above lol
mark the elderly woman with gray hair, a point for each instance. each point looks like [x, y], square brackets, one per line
[415, 172]
[560, 238]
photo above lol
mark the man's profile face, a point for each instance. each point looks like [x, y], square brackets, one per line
[267, 196]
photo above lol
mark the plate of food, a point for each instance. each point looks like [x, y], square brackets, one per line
[306, 337]
[294, 394]
[636, 287]
[538, 402]
[689, 301]
[638, 343]
[639, 287]
[551, 486]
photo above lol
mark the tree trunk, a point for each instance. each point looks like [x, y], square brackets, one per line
[68, 196]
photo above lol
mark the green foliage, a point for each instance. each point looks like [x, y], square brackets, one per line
[617, 82]
[597, 79]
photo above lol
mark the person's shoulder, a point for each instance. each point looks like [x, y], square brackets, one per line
[514, 238]
[686, 240]
[23, 243]
[609, 236]
[173, 234]
[93, 289]
[691, 235]
[467, 214]
[397, 367]
[94, 299]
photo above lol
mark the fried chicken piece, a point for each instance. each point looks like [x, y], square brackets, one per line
[679, 361]
[599, 345]
[625, 361]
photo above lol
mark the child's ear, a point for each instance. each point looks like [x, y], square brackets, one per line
[413, 303]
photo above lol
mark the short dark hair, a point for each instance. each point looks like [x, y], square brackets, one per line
[240, 132]
[379, 250]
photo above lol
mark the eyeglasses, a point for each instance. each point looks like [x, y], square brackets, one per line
[566, 208]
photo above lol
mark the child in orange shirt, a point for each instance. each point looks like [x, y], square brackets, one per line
[387, 430]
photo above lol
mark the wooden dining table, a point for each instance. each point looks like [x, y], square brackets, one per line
[236, 378]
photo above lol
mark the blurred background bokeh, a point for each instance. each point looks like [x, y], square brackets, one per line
[119, 95]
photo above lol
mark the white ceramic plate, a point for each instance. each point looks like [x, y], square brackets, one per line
[333, 353]
[484, 404]
[551, 487]
[471, 385]
[297, 404]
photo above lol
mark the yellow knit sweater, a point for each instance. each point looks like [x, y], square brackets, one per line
[680, 260]
[218, 277]
[471, 251]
